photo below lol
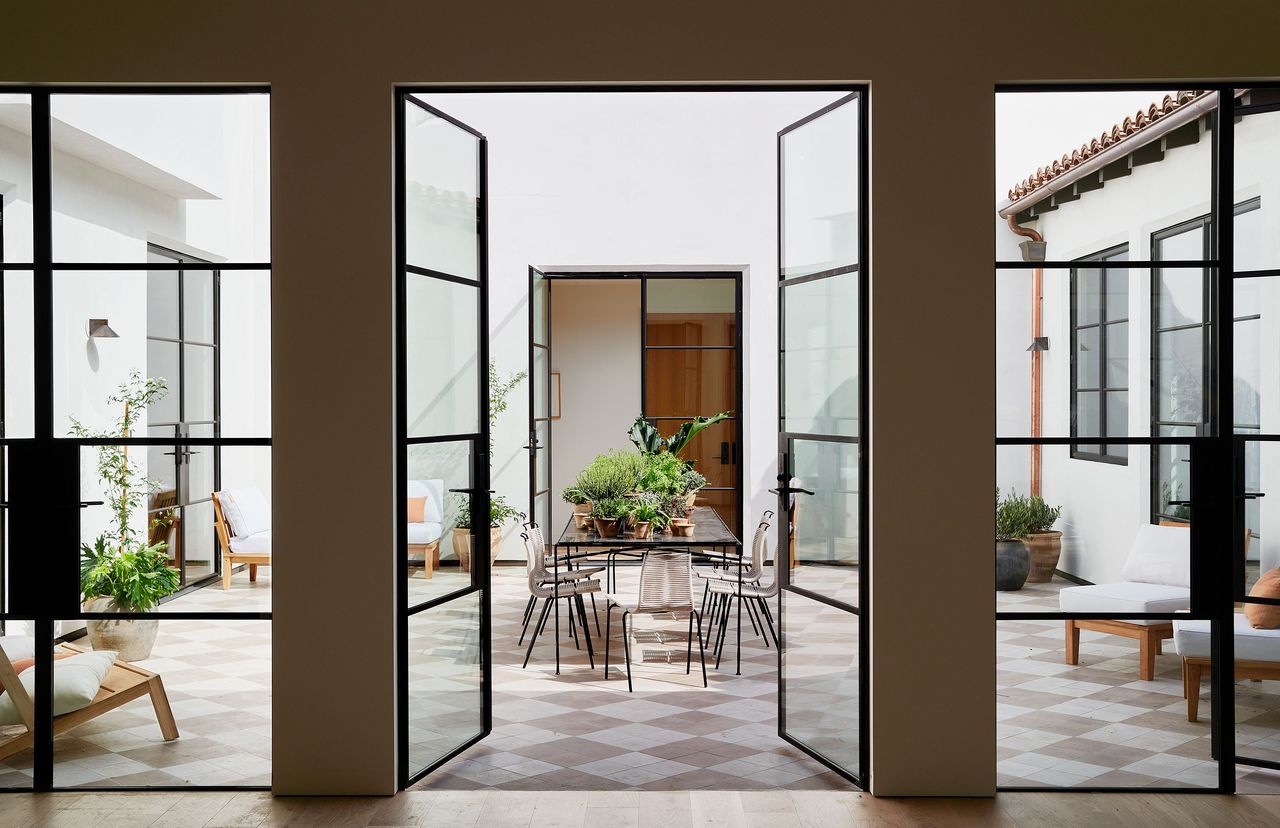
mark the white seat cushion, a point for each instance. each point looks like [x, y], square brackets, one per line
[433, 491]
[246, 510]
[425, 532]
[1124, 597]
[258, 543]
[1191, 638]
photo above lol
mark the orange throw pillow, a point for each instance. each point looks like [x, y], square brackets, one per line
[417, 510]
[1265, 616]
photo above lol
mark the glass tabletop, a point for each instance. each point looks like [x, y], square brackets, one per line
[708, 530]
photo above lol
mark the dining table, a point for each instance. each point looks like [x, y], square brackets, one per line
[711, 540]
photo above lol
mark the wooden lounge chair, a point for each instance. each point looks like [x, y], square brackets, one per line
[254, 550]
[123, 683]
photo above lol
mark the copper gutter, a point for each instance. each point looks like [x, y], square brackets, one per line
[1037, 296]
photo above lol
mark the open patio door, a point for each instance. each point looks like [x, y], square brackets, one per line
[442, 320]
[539, 446]
[821, 553]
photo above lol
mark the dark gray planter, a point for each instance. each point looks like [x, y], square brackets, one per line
[1013, 564]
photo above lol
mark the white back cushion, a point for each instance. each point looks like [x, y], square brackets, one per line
[433, 491]
[246, 510]
[18, 646]
[1160, 555]
[76, 680]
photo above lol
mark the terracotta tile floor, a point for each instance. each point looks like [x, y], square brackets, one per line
[577, 731]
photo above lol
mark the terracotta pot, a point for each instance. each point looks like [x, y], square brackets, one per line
[131, 640]
[582, 521]
[682, 527]
[582, 508]
[1045, 549]
[608, 527]
[462, 543]
[1013, 562]
[642, 529]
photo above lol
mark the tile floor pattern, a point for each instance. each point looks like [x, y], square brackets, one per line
[1097, 724]
[576, 731]
[217, 675]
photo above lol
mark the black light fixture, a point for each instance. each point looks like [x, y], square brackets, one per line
[1040, 343]
[99, 329]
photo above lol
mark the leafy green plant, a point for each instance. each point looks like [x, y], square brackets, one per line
[610, 475]
[646, 437]
[499, 390]
[662, 474]
[1042, 515]
[500, 512]
[574, 495]
[611, 508]
[1013, 517]
[645, 512]
[692, 481]
[119, 564]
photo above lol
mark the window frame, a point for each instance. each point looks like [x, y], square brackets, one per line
[1103, 455]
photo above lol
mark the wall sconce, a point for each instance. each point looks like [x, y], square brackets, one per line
[99, 329]
[1040, 343]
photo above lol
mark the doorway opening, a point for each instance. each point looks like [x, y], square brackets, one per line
[753, 202]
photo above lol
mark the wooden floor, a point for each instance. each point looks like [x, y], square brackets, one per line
[618, 809]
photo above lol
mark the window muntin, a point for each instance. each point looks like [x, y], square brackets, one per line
[1100, 355]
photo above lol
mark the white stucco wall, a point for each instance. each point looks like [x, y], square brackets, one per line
[628, 181]
[1104, 504]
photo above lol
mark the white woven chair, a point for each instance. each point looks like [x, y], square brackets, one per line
[666, 586]
[546, 586]
[533, 534]
[752, 570]
[754, 595]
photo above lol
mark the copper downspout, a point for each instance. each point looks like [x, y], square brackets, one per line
[1037, 295]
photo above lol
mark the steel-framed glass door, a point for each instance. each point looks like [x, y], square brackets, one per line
[539, 446]
[822, 542]
[445, 686]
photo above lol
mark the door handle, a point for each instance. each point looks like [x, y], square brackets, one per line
[724, 453]
[1253, 495]
[789, 490]
[472, 490]
[84, 504]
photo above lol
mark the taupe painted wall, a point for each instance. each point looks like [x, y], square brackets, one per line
[931, 67]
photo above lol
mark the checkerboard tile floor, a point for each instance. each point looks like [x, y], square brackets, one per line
[1097, 724]
[217, 675]
[576, 731]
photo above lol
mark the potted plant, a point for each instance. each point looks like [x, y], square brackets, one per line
[1043, 542]
[1013, 560]
[581, 505]
[608, 515]
[644, 515]
[119, 570]
[691, 482]
[500, 513]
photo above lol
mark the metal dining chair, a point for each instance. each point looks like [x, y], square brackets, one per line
[549, 588]
[752, 570]
[666, 586]
[753, 595]
[533, 534]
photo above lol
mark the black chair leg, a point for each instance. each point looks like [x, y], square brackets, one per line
[542, 622]
[581, 606]
[595, 613]
[528, 616]
[764, 614]
[608, 625]
[755, 628]
[626, 647]
[702, 657]
[688, 656]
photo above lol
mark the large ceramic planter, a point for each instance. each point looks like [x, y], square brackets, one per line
[462, 543]
[1045, 549]
[1013, 563]
[131, 640]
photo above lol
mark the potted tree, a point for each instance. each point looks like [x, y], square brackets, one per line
[1043, 542]
[1013, 560]
[119, 570]
[500, 513]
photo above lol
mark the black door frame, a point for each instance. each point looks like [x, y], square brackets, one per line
[43, 505]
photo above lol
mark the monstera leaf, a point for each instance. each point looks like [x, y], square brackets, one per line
[687, 431]
[645, 436]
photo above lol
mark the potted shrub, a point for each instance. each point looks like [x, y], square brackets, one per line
[1013, 560]
[691, 482]
[645, 514]
[608, 515]
[1043, 542]
[500, 513]
[581, 506]
[119, 571]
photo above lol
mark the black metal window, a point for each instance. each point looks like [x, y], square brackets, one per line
[1100, 356]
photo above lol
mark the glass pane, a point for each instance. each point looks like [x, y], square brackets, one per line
[1094, 724]
[1181, 375]
[244, 350]
[1116, 298]
[1180, 298]
[1253, 453]
[541, 389]
[1043, 140]
[1117, 420]
[1247, 385]
[162, 471]
[824, 557]
[689, 382]
[1088, 414]
[543, 457]
[820, 356]
[17, 350]
[691, 312]
[15, 171]
[197, 381]
[1174, 474]
[1257, 231]
[1118, 356]
[820, 188]
[820, 676]
[1088, 288]
[200, 465]
[713, 451]
[541, 298]
[191, 169]
[1088, 356]
[162, 364]
[442, 224]
[445, 693]
[162, 304]
[725, 503]
[17, 640]
[197, 306]
[217, 677]
[443, 377]
[198, 547]
[433, 470]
